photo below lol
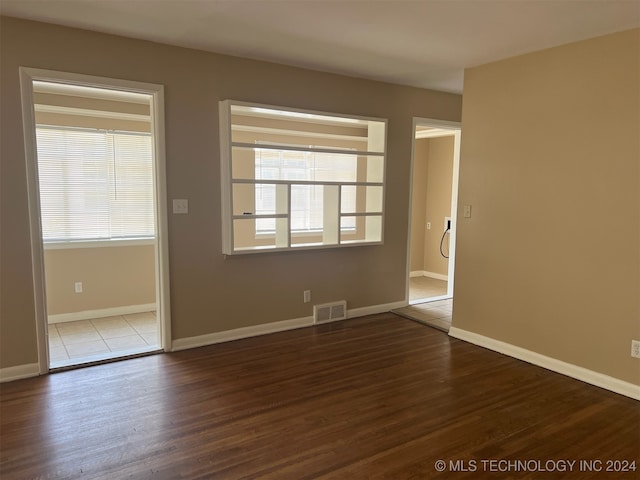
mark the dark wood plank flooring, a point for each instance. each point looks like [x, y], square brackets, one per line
[374, 397]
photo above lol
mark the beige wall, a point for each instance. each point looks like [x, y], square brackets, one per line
[419, 203]
[111, 277]
[208, 292]
[439, 181]
[549, 260]
[432, 180]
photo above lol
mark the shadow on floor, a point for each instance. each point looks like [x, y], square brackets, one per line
[436, 314]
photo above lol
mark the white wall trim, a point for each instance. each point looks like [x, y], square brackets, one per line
[238, 333]
[589, 376]
[437, 276]
[455, 127]
[264, 329]
[77, 244]
[374, 309]
[434, 133]
[424, 273]
[101, 313]
[9, 374]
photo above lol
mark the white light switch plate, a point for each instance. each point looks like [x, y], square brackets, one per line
[180, 206]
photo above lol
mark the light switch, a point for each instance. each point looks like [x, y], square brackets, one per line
[467, 211]
[180, 206]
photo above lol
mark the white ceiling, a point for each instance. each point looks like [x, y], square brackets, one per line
[424, 43]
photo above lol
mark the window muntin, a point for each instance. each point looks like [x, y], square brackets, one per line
[307, 201]
[294, 179]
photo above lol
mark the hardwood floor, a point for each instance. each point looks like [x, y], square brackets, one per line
[374, 397]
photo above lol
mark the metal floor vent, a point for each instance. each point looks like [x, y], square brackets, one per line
[330, 312]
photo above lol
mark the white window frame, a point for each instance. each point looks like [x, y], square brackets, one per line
[369, 218]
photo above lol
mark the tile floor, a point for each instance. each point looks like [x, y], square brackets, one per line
[436, 314]
[426, 287]
[97, 339]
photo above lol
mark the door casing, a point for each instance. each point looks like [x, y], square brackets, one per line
[27, 76]
[456, 126]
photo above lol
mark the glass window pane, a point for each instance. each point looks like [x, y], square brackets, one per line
[95, 184]
[367, 229]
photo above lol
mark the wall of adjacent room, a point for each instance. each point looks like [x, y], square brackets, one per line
[432, 183]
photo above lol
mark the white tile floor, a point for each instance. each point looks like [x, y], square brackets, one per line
[426, 287]
[101, 338]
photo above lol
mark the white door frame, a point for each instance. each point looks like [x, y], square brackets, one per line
[456, 126]
[27, 76]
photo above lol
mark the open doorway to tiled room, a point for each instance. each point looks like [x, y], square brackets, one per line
[99, 245]
[433, 218]
[98, 339]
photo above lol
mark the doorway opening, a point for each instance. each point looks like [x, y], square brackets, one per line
[95, 164]
[434, 192]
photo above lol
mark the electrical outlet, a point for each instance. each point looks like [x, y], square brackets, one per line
[307, 296]
[78, 287]
[635, 348]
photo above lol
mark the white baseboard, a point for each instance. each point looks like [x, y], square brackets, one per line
[19, 371]
[437, 276]
[101, 313]
[589, 376]
[424, 273]
[238, 333]
[374, 309]
[256, 330]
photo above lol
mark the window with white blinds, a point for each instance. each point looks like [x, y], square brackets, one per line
[95, 184]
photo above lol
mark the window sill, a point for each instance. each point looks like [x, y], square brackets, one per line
[303, 234]
[73, 244]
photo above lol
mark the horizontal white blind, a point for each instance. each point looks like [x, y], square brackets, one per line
[95, 184]
[307, 201]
